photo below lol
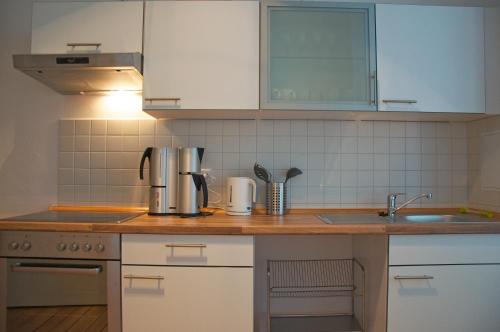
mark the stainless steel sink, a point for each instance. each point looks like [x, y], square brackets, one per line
[429, 218]
[349, 219]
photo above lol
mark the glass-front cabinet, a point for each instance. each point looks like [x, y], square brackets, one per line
[318, 56]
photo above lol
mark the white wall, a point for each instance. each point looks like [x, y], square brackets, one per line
[29, 113]
[480, 196]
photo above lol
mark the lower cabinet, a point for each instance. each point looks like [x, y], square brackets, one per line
[435, 293]
[187, 283]
[187, 299]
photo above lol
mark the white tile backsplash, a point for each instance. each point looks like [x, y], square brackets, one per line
[345, 163]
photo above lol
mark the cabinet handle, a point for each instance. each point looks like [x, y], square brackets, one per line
[422, 277]
[176, 99]
[73, 45]
[399, 101]
[131, 276]
[187, 245]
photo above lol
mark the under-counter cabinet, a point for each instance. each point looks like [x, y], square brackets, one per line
[317, 56]
[108, 27]
[444, 283]
[201, 55]
[430, 58]
[187, 283]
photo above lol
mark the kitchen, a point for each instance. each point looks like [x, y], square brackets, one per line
[365, 99]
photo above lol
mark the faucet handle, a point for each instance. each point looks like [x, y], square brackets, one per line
[391, 200]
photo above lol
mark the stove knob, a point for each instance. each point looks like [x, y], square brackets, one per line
[13, 245]
[74, 246]
[26, 246]
[61, 246]
[87, 247]
[100, 247]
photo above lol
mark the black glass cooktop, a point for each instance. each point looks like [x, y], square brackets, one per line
[76, 217]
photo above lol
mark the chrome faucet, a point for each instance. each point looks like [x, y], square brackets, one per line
[392, 207]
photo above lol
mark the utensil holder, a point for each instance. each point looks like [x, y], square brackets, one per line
[276, 198]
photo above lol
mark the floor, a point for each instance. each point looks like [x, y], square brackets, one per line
[67, 318]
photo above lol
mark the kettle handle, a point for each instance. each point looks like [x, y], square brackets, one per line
[201, 183]
[254, 189]
[147, 154]
[204, 187]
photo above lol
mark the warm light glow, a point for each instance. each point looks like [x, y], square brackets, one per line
[122, 104]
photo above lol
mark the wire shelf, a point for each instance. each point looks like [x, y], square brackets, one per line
[318, 278]
[302, 277]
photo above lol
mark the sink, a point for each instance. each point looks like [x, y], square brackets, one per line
[429, 218]
[350, 219]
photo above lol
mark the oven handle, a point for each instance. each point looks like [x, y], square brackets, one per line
[80, 269]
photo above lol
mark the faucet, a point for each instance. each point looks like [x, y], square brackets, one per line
[392, 207]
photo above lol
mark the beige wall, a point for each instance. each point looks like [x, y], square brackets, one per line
[478, 196]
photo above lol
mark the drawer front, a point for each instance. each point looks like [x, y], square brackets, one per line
[443, 298]
[187, 299]
[191, 250]
[443, 249]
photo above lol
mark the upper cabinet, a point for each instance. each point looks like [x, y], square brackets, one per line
[317, 56]
[107, 27]
[430, 59]
[201, 55]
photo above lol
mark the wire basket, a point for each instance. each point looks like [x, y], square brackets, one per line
[319, 278]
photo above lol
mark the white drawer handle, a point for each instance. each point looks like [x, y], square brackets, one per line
[422, 277]
[131, 276]
[187, 245]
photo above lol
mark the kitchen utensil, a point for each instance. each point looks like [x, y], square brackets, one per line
[241, 193]
[262, 173]
[163, 177]
[291, 173]
[276, 198]
[191, 181]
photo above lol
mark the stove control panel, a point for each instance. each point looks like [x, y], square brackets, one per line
[59, 245]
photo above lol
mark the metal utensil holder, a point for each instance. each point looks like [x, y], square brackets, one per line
[276, 198]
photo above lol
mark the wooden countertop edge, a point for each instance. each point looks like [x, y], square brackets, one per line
[298, 222]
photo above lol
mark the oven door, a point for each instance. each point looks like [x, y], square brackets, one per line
[56, 294]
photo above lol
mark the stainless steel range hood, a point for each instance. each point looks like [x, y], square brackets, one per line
[72, 74]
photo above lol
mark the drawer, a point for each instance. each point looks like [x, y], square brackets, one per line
[443, 249]
[191, 250]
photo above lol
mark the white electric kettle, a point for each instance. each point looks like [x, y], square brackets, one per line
[241, 193]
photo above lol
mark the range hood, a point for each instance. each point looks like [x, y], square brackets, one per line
[92, 73]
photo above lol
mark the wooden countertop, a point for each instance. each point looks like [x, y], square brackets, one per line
[298, 222]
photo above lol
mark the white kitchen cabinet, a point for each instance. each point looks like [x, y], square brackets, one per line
[187, 299]
[457, 298]
[443, 283]
[430, 58]
[116, 26]
[201, 55]
[188, 283]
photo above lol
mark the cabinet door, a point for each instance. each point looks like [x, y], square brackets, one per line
[201, 55]
[116, 26]
[187, 299]
[430, 59]
[444, 298]
[317, 56]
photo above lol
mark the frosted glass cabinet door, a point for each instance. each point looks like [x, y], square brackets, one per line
[430, 58]
[317, 56]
